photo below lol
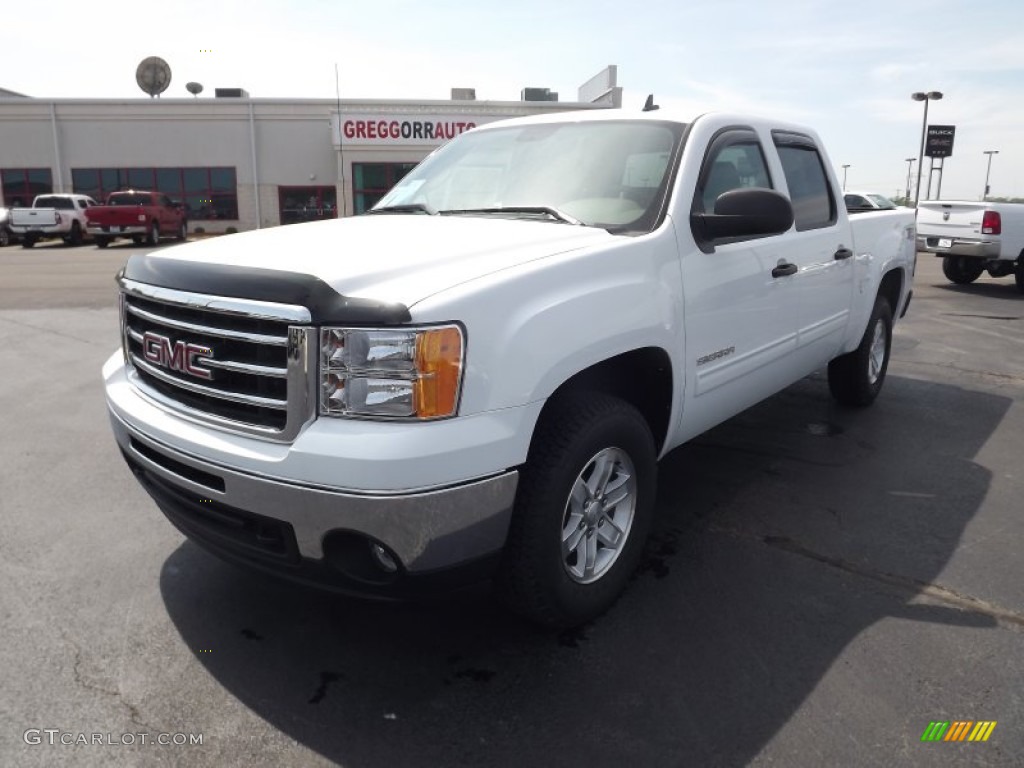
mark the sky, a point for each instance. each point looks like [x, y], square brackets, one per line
[845, 69]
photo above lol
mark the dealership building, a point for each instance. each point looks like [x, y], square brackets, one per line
[243, 162]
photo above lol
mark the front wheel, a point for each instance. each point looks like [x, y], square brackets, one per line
[27, 242]
[962, 269]
[583, 509]
[102, 242]
[856, 378]
[183, 232]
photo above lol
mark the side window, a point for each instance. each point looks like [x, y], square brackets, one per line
[732, 165]
[813, 203]
[856, 202]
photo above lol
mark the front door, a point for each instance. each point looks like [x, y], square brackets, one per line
[740, 307]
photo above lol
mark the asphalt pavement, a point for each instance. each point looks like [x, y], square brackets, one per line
[823, 583]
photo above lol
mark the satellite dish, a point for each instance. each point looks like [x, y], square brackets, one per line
[194, 88]
[153, 75]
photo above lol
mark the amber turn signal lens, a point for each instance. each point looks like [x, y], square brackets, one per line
[439, 364]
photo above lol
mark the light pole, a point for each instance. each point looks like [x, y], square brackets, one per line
[844, 176]
[925, 97]
[988, 152]
[910, 170]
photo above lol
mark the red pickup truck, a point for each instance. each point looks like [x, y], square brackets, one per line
[142, 216]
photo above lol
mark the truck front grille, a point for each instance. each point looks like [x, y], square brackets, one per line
[237, 365]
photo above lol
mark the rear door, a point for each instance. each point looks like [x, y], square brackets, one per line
[168, 216]
[821, 246]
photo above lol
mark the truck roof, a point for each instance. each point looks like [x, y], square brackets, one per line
[659, 115]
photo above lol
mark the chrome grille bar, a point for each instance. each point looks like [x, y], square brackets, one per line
[260, 402]
[225, 333]
[228, 365]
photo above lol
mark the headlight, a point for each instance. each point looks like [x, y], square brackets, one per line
[401, 374]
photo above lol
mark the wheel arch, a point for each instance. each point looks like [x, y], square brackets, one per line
[642, 377]
[891, 288]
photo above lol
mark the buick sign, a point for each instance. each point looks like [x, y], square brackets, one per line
[939, 141]
[178, 356]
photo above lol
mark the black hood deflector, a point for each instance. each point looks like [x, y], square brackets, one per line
[324, 303]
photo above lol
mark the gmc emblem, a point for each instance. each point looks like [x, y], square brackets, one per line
[176, 355]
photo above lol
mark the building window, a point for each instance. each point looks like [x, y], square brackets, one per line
[21, 185]
[299, 204]
[371, 181]
[209, 194]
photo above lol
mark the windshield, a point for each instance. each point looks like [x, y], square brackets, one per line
[882, 202]
[603, 174]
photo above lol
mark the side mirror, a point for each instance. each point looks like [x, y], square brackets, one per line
[745, 212]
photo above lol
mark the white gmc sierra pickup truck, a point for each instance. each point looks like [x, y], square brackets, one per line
[477, 378]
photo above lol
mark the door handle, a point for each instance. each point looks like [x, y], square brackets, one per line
[784, 270]
[843, 253]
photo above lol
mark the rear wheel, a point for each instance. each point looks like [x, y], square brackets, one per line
[183, 231]
[5, 237]
[154, 234]
[856, 378]
[583, 509]
[1018, 273]
[962, 269]
[75, 237]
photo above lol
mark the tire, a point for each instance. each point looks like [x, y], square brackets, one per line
[183, 232]
[856, 378]
[75, 238]
[5, 237]
[568, 556]
[153, 236]
[1018, 273]
[962, 270]
[102, 242]
[138, 239]
[27, 242]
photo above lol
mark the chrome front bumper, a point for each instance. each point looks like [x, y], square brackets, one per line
[427, 531]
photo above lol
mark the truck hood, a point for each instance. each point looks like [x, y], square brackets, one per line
[392, 258]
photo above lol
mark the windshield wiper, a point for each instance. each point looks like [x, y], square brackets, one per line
[405, 208]
[545, 210]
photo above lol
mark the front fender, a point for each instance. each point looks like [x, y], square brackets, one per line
[532, 327]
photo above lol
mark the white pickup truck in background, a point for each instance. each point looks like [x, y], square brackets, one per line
[974, 237]
[477, 378]
[51, 216]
